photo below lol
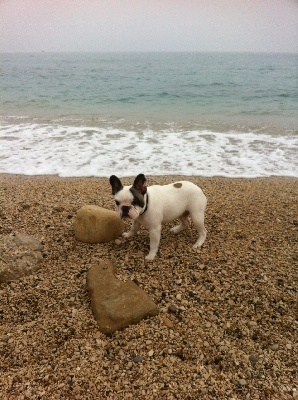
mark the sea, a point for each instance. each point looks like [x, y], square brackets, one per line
[193, 114]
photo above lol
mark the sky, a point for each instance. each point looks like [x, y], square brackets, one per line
[149, 25]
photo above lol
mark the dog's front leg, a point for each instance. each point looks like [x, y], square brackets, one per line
[154, 242]
[135, 226]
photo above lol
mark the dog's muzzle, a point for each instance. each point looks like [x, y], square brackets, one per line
[125, 211]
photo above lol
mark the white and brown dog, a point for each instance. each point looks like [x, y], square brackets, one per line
[151, 206]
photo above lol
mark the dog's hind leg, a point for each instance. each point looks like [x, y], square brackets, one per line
[183, 223]
[198, 221]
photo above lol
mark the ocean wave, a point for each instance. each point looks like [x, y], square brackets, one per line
[34, 149]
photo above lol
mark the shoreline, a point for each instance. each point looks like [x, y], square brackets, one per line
[234, 334]
[162, 176]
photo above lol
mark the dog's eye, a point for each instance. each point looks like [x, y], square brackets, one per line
[117, 203]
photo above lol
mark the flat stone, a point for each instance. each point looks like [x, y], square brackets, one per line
[252, 323]
[274, 346]
[20, 255]
[95, 224]
[137, 359]
[168, 323]
[22, 239]
[116, 304]
[242, 382]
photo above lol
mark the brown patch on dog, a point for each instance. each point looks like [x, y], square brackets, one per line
[178, 185]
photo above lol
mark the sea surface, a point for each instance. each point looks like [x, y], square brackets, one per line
[97, 114]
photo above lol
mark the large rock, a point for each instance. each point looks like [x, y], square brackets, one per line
[116, 304]
[95, 224]
[20, 255]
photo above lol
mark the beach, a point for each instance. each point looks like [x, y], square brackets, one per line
[234, 332]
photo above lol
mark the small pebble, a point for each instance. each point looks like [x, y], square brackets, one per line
[150, 353]
[168, 323]
[274, 346]
[137, 359]
[253, 359]
[252, 323]
[61, 385]
[172, 309]
[121, 353]
[242, 382]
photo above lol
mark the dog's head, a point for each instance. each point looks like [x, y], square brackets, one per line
[129, 200]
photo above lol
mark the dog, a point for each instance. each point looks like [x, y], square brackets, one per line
[151, 206]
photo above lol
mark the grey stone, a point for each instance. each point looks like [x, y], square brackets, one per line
[137, 359]
[173, 309]
[253, 360]
[116, 304]
[95, 224]
[20, 255]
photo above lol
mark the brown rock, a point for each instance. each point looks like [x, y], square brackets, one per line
[95, 224]
[20, 255]
[168, 323]
[116, 304]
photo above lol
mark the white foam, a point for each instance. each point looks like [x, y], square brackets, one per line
[35, 149]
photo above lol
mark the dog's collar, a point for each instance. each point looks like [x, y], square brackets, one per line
[147, 201]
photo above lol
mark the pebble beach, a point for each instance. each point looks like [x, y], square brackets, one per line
[227, 326]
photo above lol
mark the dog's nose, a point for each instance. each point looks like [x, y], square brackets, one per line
[125, 210]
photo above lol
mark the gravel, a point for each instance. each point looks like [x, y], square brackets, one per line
[227, 327]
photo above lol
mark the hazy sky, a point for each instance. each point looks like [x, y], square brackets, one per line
[149, 25]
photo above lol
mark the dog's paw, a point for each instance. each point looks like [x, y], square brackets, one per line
[150, 257]
[126, 235]
[177, 229]
[196, 248]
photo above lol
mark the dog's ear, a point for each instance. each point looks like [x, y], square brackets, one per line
[116, 184]
[140, 183]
